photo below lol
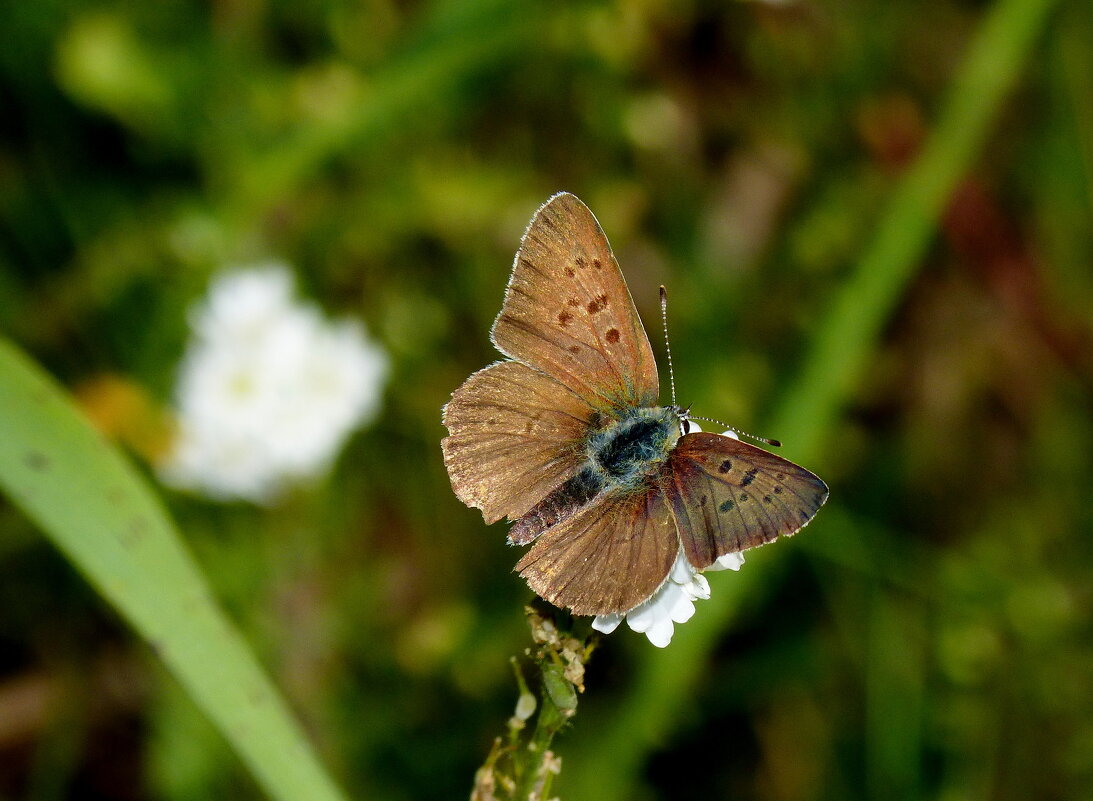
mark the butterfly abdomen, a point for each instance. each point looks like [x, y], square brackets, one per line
[560, 504]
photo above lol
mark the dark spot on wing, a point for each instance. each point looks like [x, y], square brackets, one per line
[596, 264]
[768, 499]
[597, 305]
[612, 335]
[36, 460]
[749, 476]
[570, 272]
[581, 262]
[780, 476]
[778, 490]
[725, 467]
[702, 500]
[563, 318]
[528, 426]
[574, 348]
[743, 497]
[727, 506]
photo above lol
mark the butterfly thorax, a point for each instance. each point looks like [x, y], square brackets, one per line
[624, 451]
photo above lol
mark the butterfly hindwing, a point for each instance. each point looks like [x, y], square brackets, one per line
[728, 496]
[608, 557]
[567, 311]
[514, 436]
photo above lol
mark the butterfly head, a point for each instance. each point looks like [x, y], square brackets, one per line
[684, 415]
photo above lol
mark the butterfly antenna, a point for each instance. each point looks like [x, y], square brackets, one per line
[772, 442]
[667, 347]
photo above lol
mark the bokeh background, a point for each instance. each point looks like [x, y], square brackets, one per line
[929, 636]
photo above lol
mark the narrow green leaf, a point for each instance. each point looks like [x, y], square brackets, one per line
[95, 507]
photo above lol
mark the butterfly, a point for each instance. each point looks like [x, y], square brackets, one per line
[565, 437]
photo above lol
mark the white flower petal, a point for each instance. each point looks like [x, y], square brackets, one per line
[644, 617]
[682, 610]
[660, 633]
[730, 561]
[606, 623]
[699, 587]
[681, 571]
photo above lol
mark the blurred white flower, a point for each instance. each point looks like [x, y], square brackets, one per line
[673, 603]
[268, 389]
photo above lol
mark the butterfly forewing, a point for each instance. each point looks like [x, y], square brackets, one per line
[727, 496]
[514, 436]
[608, 557]
[567, 311]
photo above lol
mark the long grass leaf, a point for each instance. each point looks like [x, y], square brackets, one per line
[95, 507]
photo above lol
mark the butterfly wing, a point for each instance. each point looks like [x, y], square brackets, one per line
[727, 496]
[608, 557]
[567, 311]
[515, 435]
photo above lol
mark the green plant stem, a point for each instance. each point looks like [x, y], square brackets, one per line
[524, 771]
[536, 775]
[612, 754]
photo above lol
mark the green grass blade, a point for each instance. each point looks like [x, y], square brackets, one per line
[845, 342]
[94, 506]
[606, 761]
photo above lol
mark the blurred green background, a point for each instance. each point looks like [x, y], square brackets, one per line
[929, 636]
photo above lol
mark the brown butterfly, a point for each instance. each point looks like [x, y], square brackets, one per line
[567, 440]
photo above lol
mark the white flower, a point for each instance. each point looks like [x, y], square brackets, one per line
[673, 603]
[268, 389]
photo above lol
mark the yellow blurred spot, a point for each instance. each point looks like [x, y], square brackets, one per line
[432, 637]
[101, 63]
[123, 411]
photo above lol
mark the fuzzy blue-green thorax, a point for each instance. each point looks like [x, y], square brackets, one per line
[624, 452]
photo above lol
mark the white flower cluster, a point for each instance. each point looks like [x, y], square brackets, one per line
[656, 616]
[672, 603]
[268, 389]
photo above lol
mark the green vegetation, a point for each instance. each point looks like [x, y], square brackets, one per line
[875, 224]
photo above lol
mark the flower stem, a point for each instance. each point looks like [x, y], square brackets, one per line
[522, 770]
